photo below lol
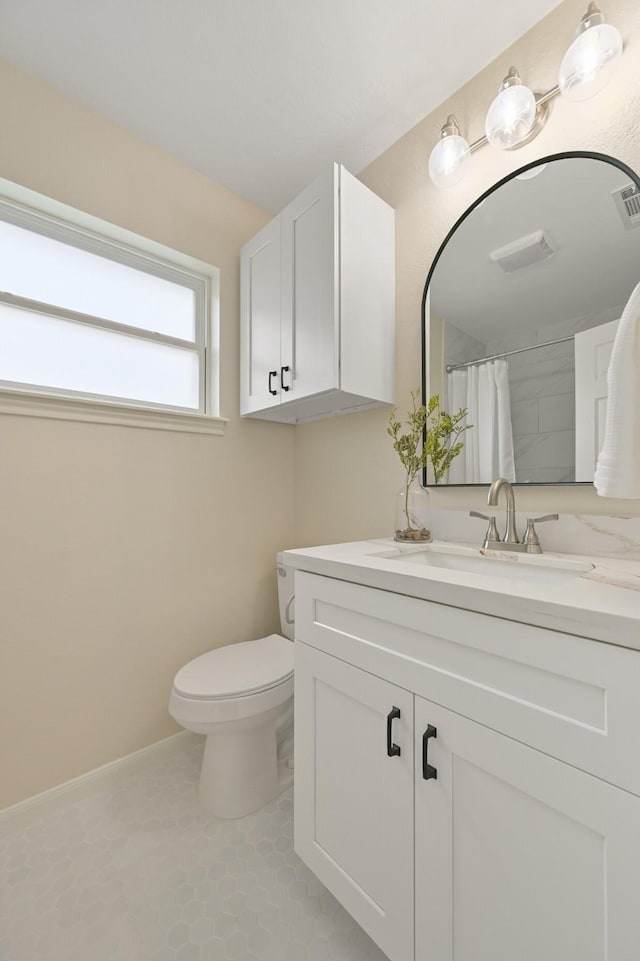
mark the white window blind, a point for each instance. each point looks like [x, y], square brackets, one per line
[83, 316]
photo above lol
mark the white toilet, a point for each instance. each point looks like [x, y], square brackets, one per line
[241, 697]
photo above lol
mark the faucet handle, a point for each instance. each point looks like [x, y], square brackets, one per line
[531, 537]
[492, 530]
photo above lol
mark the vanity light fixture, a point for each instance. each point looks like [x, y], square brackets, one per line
[513, 115]
[518, 114]
[588, 63]
[450, 155]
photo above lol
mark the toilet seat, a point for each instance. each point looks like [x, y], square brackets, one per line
[237, 670]
[200, 713]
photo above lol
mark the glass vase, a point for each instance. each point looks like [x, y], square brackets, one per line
[413, 515]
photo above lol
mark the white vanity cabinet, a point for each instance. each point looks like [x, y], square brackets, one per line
[513, 832]
[317, 305]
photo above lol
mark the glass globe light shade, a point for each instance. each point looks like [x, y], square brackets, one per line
[511, 116]
[448, 160]
[532, 172]
[589, 62]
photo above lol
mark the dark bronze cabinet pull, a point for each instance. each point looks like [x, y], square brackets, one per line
[393, 750]
[429, 772]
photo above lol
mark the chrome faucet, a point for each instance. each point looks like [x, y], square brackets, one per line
[510, 534]
[511, 541]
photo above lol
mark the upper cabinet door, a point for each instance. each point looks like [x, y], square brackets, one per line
[518, 855]
[260, 320]
[310, 293]
[354, 793]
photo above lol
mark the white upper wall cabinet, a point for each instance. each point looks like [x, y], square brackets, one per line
[317, 305]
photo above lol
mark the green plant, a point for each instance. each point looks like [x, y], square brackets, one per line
[427, 439]
[441, 444]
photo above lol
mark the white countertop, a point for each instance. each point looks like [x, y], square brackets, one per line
[603, 604]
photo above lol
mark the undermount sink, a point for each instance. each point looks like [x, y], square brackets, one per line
[533, 568]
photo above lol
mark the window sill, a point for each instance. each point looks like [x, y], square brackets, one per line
[29, 404]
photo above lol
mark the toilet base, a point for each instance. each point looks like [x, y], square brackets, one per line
[245, 764]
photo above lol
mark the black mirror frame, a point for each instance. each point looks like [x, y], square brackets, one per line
[565, 155]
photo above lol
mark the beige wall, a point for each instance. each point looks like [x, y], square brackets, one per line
[121, 548]
[347, 474]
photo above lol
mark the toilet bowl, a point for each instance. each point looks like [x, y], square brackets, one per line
[241, 697]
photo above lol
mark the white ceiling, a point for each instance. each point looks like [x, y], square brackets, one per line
[260, 94]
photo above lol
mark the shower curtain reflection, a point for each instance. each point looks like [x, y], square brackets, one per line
[488, 448]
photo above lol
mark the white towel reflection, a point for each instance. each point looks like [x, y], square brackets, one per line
[618, 470]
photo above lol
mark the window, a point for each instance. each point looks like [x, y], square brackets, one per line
[87, 318]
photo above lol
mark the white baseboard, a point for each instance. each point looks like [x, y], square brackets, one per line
[93, 781]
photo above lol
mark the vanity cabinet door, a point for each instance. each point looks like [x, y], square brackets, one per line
[518, 855]
[354, 791]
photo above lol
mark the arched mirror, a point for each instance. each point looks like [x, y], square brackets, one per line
[520, 311]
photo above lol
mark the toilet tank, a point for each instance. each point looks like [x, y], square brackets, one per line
[286, 603]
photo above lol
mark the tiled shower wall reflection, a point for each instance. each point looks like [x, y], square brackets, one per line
[542, 384]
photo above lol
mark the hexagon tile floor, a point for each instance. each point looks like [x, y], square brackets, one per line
[139, 873]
